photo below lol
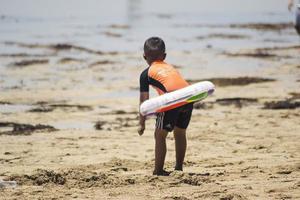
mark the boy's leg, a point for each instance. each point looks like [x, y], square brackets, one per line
[164, 123]
[180, 146]
[180, 134]
[160, 151]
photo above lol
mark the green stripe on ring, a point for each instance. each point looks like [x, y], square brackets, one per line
[197, 97]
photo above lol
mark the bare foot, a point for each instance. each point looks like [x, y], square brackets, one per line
[161, 173]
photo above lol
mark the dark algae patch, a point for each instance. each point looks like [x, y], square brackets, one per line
[5, 103]
[256, 54]
[118, 124]
[284, 104]
[41, 109]
[23, 129]
[48, 107]
[99, 125]
[112, 34]
[289, 103]
[58, 47]
[265, 53]
[295, 95]
[294, 47]
[223, 36]
[238, 102]
[253, 26]
[239, 81]
[68, 60]
[25, 63]
[263, 26]
[16, 55]
[101, 62]
[119, 26]
[79, 107]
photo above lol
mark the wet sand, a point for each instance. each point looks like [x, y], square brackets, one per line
[68, 127]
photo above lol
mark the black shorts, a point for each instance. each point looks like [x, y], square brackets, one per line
[179, 117]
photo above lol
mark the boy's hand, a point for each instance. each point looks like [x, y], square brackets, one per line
[142, 126]
[141, 129]
[143, 97]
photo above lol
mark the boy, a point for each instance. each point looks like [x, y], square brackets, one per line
[164, 78]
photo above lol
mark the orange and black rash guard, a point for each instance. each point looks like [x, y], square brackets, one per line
[163, 77]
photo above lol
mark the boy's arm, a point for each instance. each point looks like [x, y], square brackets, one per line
[143, 97]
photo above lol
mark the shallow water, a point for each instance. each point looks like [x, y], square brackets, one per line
[197, 34]
[178, 22]
[72, 124]
[7, 108]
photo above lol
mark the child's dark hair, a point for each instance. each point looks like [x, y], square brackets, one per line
[154, 48]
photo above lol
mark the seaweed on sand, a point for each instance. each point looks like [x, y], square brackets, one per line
[23, 129]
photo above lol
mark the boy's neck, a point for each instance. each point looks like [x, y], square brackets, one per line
[157, 61]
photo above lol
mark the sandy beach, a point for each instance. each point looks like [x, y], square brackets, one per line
[69, 118]
[239, 145]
